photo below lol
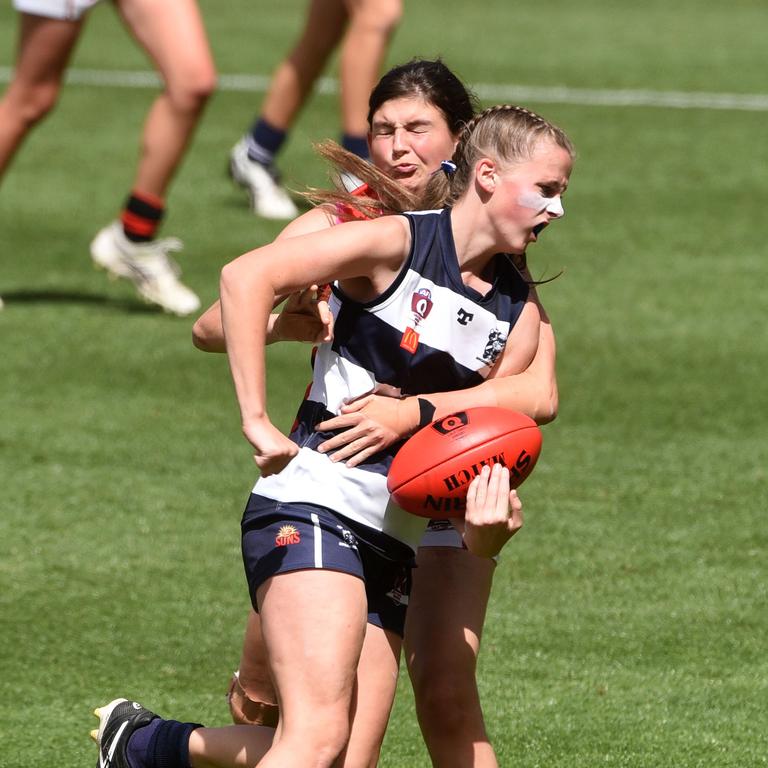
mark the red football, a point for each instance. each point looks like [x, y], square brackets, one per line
[430, 474]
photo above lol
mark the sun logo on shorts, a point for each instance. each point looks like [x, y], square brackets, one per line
[287, 534]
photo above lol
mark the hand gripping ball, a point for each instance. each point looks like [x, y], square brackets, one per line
[430, 474]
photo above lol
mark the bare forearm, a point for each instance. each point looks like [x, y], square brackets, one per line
[245, 308]
[522, 392]
[208, 331]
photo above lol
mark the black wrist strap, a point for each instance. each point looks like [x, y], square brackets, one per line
[426, 412]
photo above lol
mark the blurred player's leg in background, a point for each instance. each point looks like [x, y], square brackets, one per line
[369, 25]
[252, 161]
[173, 35]
[44, 49]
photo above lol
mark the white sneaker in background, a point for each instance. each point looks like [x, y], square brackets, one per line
[147, 265]
[268, 198]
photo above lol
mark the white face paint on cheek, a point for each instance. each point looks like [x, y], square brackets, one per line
[537, 202]
[533, 200]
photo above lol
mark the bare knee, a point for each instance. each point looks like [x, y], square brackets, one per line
[320, 742]
[381, 15]
[33, 104]
[447, 704]
[190, 92]
[390, 14]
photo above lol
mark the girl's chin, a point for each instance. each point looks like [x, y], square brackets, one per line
[410, 184]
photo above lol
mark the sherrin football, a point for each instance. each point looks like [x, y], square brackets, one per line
[430, 474]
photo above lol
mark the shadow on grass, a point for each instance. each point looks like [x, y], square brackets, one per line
[131, 306]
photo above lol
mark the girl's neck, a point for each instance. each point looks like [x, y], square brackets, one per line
[472, 235]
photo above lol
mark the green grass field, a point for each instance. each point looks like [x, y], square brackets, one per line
[628, 621]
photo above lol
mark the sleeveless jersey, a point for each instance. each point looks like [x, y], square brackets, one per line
[428, 332]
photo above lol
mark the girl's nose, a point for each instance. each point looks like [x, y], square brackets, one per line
[555, 207]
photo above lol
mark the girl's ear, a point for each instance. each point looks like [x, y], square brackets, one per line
[486, 174]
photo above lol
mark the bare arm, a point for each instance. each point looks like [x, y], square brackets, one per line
[372, 251]
[208, 332]
[305, 316]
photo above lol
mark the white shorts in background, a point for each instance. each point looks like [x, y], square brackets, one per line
[71, 10]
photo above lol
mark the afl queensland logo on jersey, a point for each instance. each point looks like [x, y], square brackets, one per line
[421, 306]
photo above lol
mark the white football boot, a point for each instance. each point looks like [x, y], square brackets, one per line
[268, 198]
[147, 265]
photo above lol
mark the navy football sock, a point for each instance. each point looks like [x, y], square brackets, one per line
[161, 744]
[136, 749]
[264, 142]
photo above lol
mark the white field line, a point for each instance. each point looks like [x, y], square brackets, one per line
[751, 102]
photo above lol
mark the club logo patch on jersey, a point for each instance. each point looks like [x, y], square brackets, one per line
[493, 347]
[287, 534]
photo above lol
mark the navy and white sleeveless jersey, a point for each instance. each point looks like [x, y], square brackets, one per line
[428, 332]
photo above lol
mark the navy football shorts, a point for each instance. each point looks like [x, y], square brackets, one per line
[279, 537]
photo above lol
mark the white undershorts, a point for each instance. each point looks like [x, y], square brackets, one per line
[70, 10]
[440, 533]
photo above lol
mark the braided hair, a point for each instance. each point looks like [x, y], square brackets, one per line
[506, 132]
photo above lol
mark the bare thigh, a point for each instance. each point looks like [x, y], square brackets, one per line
[313, 623]
[173, 34]
[446, 612]
[44, 49]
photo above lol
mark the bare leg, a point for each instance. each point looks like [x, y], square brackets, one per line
[295, 76]
[257, 704]
[44, 49]
[313, 624]
[173, 35]
[374, 690]
[374, 695]
[442, 637]
[371, 25]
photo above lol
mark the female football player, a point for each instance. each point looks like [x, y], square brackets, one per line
[416, 114]
[320, 574]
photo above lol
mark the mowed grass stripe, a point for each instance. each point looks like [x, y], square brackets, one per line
[586, 97]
